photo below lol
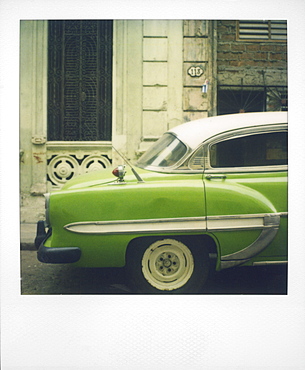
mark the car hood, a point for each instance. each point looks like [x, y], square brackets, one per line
[105, 177]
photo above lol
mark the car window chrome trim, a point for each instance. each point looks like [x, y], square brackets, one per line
[183, 224]
[275, 168]
[239, 134]
[237, 170]
[233, 134]
[222, 136]
[248, 131]
[169, 169]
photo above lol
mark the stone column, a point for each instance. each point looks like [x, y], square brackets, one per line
[33, 118]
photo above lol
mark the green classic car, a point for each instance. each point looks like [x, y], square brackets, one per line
[208, 195]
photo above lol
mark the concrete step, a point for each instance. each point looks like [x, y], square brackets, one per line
[27, 236]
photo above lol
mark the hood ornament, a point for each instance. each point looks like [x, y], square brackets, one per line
[119, 172]
[138, 177]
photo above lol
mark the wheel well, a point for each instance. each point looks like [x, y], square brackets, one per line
[193, 240]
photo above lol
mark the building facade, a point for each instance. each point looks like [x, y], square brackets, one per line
[88, 86]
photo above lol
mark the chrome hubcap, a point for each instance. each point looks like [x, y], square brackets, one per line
[167, 264]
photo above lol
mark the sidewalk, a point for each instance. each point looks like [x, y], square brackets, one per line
[27, 236]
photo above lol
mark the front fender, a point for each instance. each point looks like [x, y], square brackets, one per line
[103, 220]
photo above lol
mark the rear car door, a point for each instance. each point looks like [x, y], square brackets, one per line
[245, 180]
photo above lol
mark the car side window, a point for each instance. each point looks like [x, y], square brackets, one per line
[197, 161]
[267, 149]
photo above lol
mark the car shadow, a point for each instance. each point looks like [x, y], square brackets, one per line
[42, 279]
[249, 280]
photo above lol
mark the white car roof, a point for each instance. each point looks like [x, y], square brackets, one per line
[195, 132]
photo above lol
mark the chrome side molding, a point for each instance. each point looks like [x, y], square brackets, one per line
[271, 226]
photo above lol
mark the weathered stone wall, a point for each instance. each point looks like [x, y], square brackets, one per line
[33, 92]
[196, 45]
[246, 62]
[176, 59]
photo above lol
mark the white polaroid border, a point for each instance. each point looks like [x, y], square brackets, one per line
[129, 332]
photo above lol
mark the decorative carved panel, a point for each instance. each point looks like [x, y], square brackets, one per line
[66, 161]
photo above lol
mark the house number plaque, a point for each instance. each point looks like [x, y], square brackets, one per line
[195, 71]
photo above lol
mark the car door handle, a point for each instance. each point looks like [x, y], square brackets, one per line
[211, 177]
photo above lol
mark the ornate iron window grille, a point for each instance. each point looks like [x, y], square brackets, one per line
[251, 98]
[80, 80]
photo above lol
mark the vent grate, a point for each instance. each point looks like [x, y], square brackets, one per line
[256, 30]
